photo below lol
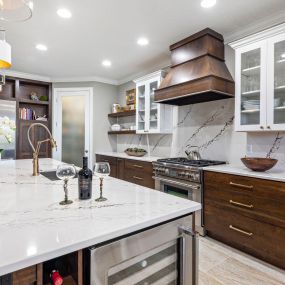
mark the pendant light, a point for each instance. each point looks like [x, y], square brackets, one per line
[5, 51]
[16, 10]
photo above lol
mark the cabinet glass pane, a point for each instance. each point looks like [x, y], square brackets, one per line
[250, 87]
[158, 266]
[141, 107]
[153, 107]
[279, 83]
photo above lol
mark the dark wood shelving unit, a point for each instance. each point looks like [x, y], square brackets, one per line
[122, 114]
[19, 90]
[122, 132]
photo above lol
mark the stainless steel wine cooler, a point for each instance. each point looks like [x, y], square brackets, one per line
[163, 255]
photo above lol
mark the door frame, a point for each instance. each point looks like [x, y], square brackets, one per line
[56, 103]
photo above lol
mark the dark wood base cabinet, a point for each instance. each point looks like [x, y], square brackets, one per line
[70, 267]
[246, 213]
[135, 171]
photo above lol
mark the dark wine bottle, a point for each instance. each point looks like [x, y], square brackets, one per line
[85, 181]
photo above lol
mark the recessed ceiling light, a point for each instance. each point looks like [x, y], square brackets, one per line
[64, 13]
[208, 3]
[143, 41]
[41, 47]
[106, 63]
[283, 55]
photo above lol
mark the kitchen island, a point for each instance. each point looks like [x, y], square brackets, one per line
[35, 228]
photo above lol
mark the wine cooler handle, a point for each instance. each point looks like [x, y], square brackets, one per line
[189, 262]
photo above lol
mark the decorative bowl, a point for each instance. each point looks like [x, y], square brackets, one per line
[259, 164]
[135, 153]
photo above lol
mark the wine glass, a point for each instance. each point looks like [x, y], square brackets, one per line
[65, 172]
[101, 169]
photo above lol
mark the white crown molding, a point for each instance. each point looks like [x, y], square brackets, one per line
[256, 27]
[24, 75]
[85, 79]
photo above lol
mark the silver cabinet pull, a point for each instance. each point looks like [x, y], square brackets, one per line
[137, 178]
[240, 231]
[241, 204]
[241, 185]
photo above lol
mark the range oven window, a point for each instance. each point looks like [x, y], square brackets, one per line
[182, 193]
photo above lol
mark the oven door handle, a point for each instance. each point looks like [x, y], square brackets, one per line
[192, 186]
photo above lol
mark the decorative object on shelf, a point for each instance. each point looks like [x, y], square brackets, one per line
[36, 150]
[65, 172]
[131, 97]
[16, 10]
[102, 170]
[115, 127]
[116, 108]
[258, 163]
[138, 152]
[34, 96]
[42, 118]
[44, 98]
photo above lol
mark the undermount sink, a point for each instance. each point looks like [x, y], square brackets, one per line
[51, 175]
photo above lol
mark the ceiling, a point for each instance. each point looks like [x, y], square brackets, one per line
[109, 29]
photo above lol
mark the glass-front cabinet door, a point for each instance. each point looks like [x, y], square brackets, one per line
[251, 90]
[276, 83]
[141, 108]
[153, 107]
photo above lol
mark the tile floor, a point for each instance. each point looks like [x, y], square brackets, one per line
[222, 265]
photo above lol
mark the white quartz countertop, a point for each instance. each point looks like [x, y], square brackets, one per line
[35, 228]
[275, 174]
[124, 155]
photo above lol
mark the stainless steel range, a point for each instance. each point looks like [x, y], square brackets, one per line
[184, 178]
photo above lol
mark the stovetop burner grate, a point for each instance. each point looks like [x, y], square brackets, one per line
[187, 162]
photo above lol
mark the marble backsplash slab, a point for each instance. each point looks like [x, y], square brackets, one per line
[210, 126]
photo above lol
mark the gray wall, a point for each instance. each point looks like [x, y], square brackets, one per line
[104, 96]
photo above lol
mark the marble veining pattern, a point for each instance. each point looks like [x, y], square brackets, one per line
[37, 228]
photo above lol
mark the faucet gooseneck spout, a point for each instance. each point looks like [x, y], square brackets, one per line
[36, 149]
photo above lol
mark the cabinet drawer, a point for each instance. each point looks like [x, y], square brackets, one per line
[105, 158]
[263, 199]
[139, 166]
[259, 239]
[139, 177]
[26, 276]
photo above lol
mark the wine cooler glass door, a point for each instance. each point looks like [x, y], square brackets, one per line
[155, 256]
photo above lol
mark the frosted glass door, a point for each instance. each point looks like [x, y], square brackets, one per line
[73, 129]
[250, 87]
[153, 107]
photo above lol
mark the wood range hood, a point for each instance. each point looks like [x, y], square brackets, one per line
[198, 71]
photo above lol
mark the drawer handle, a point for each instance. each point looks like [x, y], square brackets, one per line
[240, 231]
[138, 178]
[241, 185]
[241, 204]
[137, 166]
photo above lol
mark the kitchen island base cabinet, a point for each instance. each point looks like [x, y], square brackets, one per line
[246, 213]
[131, 170]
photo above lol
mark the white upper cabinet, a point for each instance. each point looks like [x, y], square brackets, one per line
[151, 118]
[260, 81]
